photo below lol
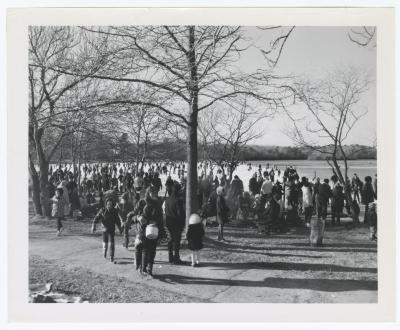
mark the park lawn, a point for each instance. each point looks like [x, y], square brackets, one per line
[97, 288]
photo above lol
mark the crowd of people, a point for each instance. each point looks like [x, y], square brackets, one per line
[134, 198]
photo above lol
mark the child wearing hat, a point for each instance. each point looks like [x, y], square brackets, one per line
[195, 236]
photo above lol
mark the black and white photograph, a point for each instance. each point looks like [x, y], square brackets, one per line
[203, 163]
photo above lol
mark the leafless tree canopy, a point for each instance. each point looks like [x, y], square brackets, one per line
[333, 109]
[184, 70]
[364, 36]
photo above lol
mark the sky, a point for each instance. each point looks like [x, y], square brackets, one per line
[312, 52]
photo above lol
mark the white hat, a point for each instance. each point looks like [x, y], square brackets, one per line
[220, 190]
[194, 219]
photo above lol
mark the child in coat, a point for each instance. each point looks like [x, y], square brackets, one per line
[57, 210]
[195, 235]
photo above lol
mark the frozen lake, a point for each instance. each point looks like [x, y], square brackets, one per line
[307, 168]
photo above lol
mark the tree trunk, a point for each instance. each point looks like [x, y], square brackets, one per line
[347, 194]
[44, 193]
[191, 182]
[43, 173]
[37, 207]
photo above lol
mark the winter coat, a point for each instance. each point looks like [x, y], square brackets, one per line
[65, 196]
[174, 212]
[195, 236]
[222, 210]
[75, 201]
[57, 210]
[109, 219]
[367, 193]
[125, 209]
[235, 189]
[253, 186]
[307, 196]
[149, 210]
[272, 211]
[337, 198]
[324, 193]
[266, 187]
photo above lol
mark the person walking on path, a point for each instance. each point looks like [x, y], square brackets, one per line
[109, 218]
[149, 220]
[175, 222]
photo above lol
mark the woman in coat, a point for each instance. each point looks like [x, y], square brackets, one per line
[337, 203]
[367, 195]
[148, 212]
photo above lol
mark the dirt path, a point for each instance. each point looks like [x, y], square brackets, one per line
[246, 268]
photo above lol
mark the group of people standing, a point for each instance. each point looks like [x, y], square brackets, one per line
[128, 197]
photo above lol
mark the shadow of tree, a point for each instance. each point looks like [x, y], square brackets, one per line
[294, 266]
[289, 247]
[328, 285]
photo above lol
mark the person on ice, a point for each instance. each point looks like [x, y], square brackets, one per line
[109, 217]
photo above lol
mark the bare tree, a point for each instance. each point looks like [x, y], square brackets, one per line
[364, 36]
[191, 68]
[232, 129]
[49, 102]
[331, 111]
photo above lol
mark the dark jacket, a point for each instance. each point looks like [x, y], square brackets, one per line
[337, 197]
[367, 193]
[222, 210]
[254, 186]
[272, 211]
[195, 236]
[324, 193]
[125, 209]
[174, 212]
[109, 219]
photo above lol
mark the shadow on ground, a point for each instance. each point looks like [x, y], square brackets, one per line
[319, 284]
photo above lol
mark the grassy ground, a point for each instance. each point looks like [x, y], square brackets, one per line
[247, 267]
[97, 288]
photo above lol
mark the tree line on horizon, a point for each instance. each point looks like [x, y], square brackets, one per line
[101, 148]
